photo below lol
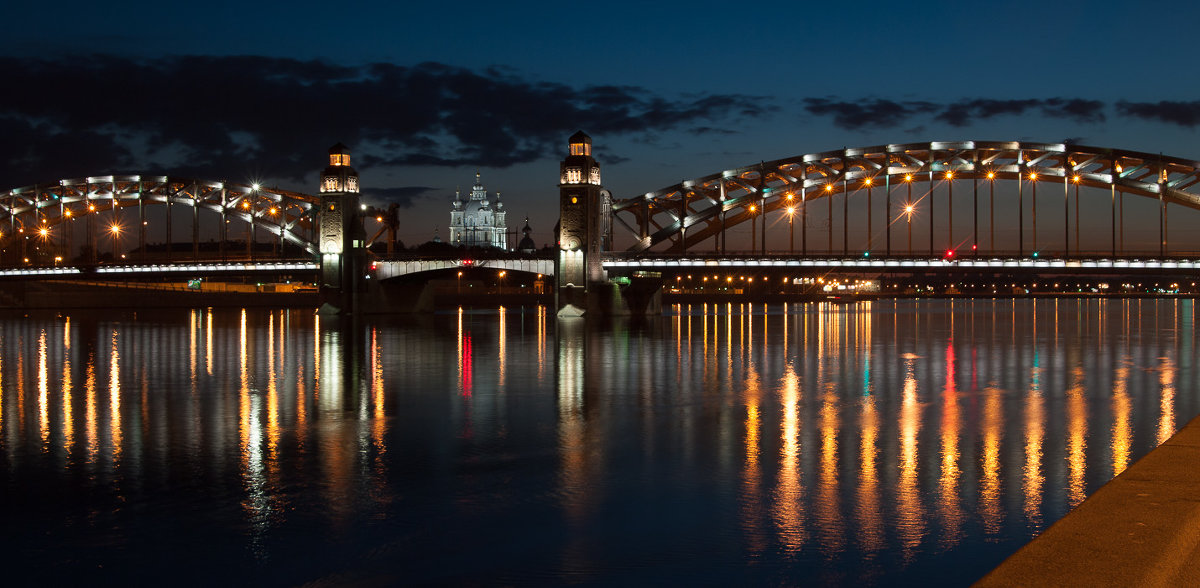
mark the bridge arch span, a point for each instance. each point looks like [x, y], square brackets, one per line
[682, 216]
[387, 269]
[48, 209]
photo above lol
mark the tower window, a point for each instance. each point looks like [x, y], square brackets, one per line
[580, 149]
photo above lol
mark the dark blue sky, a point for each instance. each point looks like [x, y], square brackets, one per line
[428, 94]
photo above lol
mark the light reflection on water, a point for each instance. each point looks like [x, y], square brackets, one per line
[872, 443]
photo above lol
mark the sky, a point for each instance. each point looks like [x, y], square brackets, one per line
[427, 94]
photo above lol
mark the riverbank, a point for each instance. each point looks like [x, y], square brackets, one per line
[1140, 529]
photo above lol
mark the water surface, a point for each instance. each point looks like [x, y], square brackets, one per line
[884, 443]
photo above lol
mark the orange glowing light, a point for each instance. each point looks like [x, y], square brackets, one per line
[1033, 175]
[991, 175]
[908, 177]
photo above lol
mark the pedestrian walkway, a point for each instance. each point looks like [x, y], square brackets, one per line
[1140, 529]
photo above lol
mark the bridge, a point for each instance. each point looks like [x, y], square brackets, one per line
[1000, 208]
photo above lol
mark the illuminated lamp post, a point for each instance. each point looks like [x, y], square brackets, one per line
[991, 176]
[753, 229]
[829, 221]
[950, 210]
[908, 212]
[116, 232]
[870, 235]
[791, 211]
[908, 209]
[1033, 185]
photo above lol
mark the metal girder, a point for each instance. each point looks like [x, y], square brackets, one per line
[665, 219]
[278, 211]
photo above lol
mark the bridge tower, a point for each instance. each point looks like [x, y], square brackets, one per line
[584, 228]
[342, 235]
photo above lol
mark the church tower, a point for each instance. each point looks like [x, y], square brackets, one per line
[341, 233]
[584, 209]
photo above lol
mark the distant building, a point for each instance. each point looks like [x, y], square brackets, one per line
[479, 220]
[526, 245]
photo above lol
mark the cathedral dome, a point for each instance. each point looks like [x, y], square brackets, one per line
[478, 221]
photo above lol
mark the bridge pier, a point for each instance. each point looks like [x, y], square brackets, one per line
[585, 231]
[343, 257]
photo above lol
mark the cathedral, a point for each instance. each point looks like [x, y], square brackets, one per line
[478, 221]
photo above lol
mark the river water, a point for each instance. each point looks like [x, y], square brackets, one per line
[896, 442]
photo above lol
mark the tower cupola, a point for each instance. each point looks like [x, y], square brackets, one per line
[339, 176]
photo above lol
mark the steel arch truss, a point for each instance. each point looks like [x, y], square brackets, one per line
[690, 212]
[281, 212]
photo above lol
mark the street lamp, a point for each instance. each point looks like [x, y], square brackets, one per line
[791, 232]
[502, 282]
[1033, 184]
[460, 283]
[753, 229]
[908, 211]
[991, 176]
[116, 232]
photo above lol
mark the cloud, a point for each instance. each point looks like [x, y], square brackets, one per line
[265, 117]
[853, 115]
[1185, 114]
[881, 113]
[402, 195]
